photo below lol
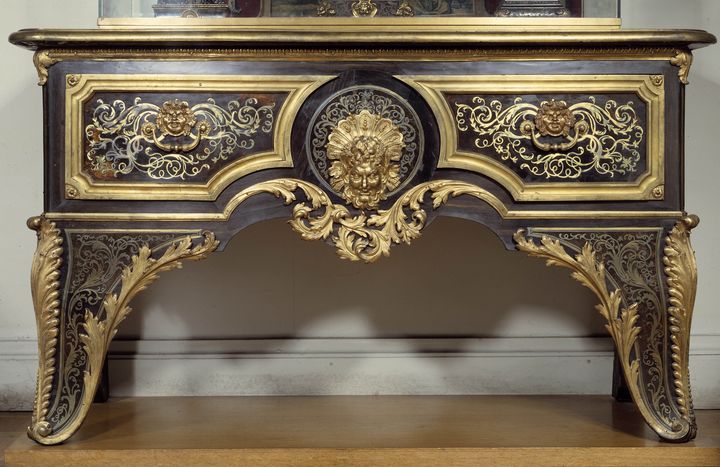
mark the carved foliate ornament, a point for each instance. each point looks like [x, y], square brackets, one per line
[554, 118]
[176, 118]
[365, 149]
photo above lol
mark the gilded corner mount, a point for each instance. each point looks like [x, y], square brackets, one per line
[43, 61]
[683, 60]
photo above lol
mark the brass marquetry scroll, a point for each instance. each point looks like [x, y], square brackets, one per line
[612, 135]
[602, 140]
[162, 141]
[109, 270]
[623, 268]
[125, 139]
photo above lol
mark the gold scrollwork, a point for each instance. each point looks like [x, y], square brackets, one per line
[365, 149]
[611, 135]
[359, 237]
[101, 328]
[107, 154]
[591, 273]
[681, 272]
[45, 289]
[119, 136]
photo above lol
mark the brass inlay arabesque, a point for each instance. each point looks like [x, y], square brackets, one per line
[326, 8]
[98, 329]
[365, 149]
[151, 139]
[496, 120]
[681, 271]
[612, 135]
[367, 239]
[79, 185]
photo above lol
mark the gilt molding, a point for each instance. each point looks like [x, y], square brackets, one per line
[45, 290]
[681, 272]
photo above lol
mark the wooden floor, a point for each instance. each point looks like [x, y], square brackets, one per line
[367, 431]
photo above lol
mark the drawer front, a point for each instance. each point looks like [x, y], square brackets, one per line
[554, 138]
[540, 137]
[176, 136]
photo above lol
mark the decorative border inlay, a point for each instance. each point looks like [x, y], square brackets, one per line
[106, 282]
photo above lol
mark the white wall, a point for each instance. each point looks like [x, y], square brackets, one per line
[274, 314]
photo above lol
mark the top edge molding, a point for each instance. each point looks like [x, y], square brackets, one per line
[444, 35]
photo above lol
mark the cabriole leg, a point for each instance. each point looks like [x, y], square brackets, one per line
[82, 282]
[645, 279]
